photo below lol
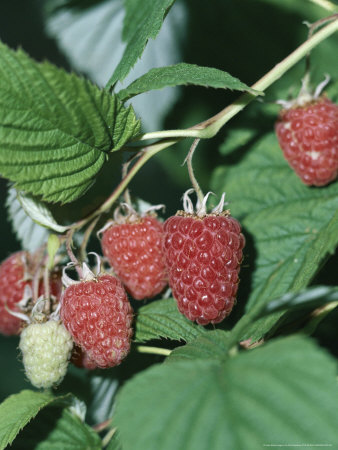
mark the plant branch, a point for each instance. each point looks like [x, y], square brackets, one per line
[210, 127]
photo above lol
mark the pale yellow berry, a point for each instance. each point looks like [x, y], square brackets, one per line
[46, 349]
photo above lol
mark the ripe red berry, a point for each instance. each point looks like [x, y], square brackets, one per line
[134, 250]
[12, 287]
[81, 359]
[15, 279]
[308, 136]
[203, 255]
[98, 315]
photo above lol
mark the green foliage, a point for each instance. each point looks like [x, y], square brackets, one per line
[183, 74]
[18, 409]
[142, 21]
[291, 227]
[58, 127]
[55, 429]
[162, 319]
[210, 345]
[266, 395]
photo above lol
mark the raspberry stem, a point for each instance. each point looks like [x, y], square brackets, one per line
[210, 127]
[192, 177]
[153, 350]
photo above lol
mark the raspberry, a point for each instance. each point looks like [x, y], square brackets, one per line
[81, 359]
[203, 255]
[308, 135]
[98, 315]
[134, 250]
[12, 287]
[14, 280]
[46, 349]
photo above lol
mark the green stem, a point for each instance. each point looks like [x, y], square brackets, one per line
[153, 350]
[317, 317]
[148, 152]
[210, 127]
[192, 177]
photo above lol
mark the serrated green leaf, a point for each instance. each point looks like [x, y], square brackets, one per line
[55, 430]
[143, 20]
[162, 319]
[39, 213]
[56, 129]
[18, 409]
[30, 234]
[183, 74]
[210, 345]
[292, 226]
[284, 392]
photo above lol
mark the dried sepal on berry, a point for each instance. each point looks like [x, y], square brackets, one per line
[132, 245]
[203, 255]
[97, 313]
[307, 132]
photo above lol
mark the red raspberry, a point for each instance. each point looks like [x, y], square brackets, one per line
[98, 315]
[81, 359]
[134, 250]
[12, 288]
[308, 136]
[203, 255]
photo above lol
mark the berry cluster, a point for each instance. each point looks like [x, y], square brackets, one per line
[89, 322]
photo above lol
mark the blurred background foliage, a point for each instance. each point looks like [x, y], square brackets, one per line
[245, 38]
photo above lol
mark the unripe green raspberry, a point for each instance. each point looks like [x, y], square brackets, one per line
[46, 349]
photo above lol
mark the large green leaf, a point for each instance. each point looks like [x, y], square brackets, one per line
[284, 392]
[183, 73]
[162, 319]
[56, 129]
[18, 409]
[143, 20]
[291, 227]
[210, 345]
[55, 430]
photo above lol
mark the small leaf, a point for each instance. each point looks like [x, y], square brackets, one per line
[185, 74]
[290, 227]
[29, 233]
[56, 129]
[53, 246]
[162, 319]
[281, 393]
[55, 430]
[210, 345]
[39, 213]
[18, 409]
[143, 20]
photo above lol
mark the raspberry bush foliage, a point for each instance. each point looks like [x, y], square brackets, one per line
[168, 272]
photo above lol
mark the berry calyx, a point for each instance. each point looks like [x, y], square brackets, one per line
[132, 244]
[97, 313]
[46, 349]
[307, 132]
[203, 254]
